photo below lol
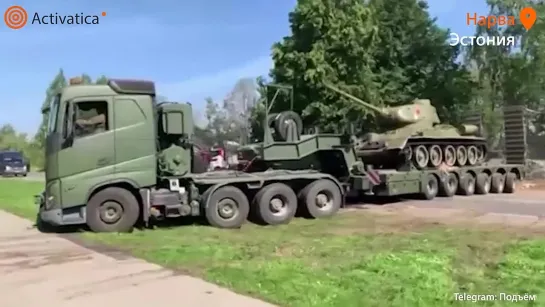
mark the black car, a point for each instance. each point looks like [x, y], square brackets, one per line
[13, 163]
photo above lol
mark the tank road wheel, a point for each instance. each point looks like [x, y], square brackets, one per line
[510, 183]
[498, 183]
[421, 156]
[408, 152]
[430, 188]
[275, 204]
[321, 198]
[436, 156]
[112, 210]
[472, 155]
[227, 207]
[467, 185]
[481, 156]
[448, 187]
[449, 155]
[461, 155]
[483, 184]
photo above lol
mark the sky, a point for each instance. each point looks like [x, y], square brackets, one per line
[192, 50]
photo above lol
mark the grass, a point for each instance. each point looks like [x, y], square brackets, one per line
[355, 259]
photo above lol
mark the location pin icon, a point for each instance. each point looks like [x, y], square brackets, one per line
[528, 17]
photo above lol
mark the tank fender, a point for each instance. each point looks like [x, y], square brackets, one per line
[397, 143]
[205, 197]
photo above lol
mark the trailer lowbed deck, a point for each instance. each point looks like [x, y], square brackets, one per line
[482, 179]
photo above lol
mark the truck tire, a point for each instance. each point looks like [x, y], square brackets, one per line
[112, 210]
[430, 188]
[510, 183]
[483, 183]
[467, 185]
[281, 123]
[227, 207]
[448, 187]
[275, 204]
[315, 194]
[498, 183]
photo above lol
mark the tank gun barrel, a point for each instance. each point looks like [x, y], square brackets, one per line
[356, 99]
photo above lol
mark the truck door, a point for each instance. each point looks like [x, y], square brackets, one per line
[86, 157]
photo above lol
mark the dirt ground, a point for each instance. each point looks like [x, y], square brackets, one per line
[524, 209]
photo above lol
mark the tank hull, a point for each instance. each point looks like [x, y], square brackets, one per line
[423, 152]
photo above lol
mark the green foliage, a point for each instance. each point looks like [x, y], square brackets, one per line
[509, 75]
[102, 80]
[383, 51]
[330, 41]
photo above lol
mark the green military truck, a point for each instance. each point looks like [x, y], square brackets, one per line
[115, 157]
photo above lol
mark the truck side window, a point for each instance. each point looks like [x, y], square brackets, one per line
[91, 117]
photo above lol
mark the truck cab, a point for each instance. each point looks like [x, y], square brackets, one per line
[100, 136]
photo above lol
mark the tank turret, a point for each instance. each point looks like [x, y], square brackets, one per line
[418, 136]
[420, 110]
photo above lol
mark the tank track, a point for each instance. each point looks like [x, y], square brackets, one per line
[437, 153]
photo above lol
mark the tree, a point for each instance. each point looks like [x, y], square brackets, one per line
[330, 41]
[257, 112]
[238, 105]
[509, 74]
[102, 80]
[339, 42]
[86, 79]
[415, 61]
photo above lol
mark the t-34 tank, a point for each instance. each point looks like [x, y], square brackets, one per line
[418, 136]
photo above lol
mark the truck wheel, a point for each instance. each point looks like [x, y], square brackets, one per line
[510, 183]
[448, 187]
[321, 198]
[431, 187]
[275, 204]
[467, 185]
[483, 184]
[227, 207]
[112, 210]
[498, 183]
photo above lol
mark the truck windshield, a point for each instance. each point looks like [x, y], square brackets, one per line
[53, 113]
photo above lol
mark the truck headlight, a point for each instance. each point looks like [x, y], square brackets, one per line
[24, 168]
[8, 168]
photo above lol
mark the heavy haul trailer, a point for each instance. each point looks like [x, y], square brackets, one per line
[133, 162]
[466, 181]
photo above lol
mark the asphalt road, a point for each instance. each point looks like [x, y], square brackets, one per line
[38, 269]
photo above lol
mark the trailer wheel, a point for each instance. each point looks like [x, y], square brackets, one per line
[431, 187]
[483, 184]
[510, 183]
[112, 210]
[498, 183]
[227, 207]
[275, 204]
[321, 198]
[448, 187]
[467, 185]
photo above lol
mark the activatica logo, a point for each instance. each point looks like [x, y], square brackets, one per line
[76, 19]
[16, 17]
